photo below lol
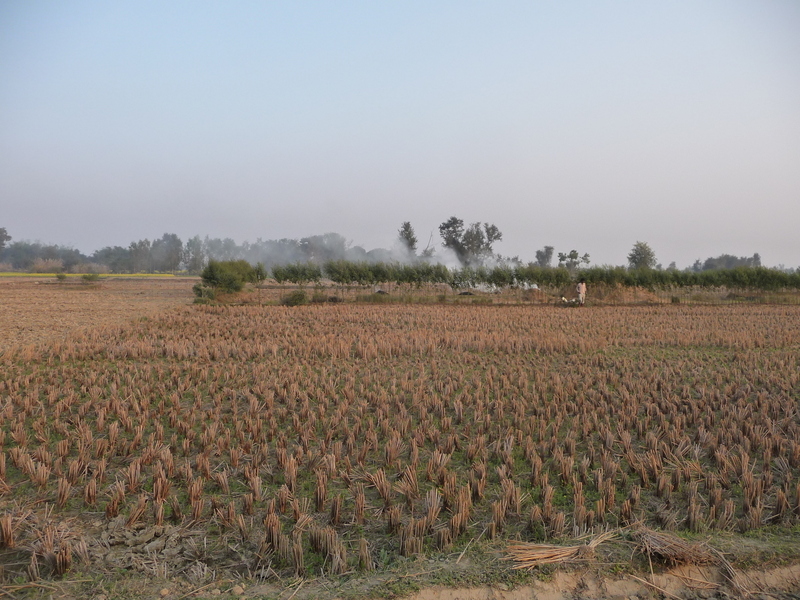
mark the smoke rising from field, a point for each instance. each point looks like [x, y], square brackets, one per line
[320, 249]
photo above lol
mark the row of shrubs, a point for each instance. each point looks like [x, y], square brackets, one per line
[345, 272]
[358, 273]
[755, 278]
[231, 276]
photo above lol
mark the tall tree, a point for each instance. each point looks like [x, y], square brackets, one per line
[728, 261]
[167, 253]
[544, 257]
[572, 260]
[193, 255]
[141, 261]
[473, 241]
[322, 248]
[452, 232]
[219, 249]
[479, 241]
[473, 245]
[641, 256]
[4, 237]
[116, 258]
[407, 237]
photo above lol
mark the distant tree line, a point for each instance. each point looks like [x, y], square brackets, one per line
[471, 247]
[170, 254]
[727, 261]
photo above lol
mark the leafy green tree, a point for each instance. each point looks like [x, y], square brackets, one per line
[167, 253]
[466, 277]
[641, 257]
[478, 241]
[472, 245]
[116, 258]
[500, 277]
[452, 232]
[407, 237]
[544, 256]
[218, 249]
[229, 276]
[259, 273]
[322, 248]
[298, 273]
[493, 234]
[4, 237]
[194, 256]
[295, 298]
[141, 259]
[572, 260]
[728, 261]
[217, 276]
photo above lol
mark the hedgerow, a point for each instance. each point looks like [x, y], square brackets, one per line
[344, 272]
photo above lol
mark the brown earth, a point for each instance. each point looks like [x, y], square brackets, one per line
[686, 582]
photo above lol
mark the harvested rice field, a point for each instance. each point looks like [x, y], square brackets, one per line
[154, 448]
[35, 310]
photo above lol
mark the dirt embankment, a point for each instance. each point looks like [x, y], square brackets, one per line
[685, 583]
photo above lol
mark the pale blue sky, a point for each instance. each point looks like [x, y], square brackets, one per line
[586, 125]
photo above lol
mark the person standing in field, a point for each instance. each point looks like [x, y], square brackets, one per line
[581, 289]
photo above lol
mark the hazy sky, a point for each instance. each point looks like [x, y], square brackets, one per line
[585, 125]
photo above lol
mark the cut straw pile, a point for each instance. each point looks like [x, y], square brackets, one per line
[660, 545]
[527, 556]
[673, 550]
[670, 548]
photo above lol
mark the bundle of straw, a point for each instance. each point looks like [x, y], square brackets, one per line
[526, 555]
[672, 549]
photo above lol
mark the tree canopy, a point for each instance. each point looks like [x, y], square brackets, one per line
[544, 256]
[728, 261]
[407, 238]
[572, 260]
[472, 245]
[642, 256]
